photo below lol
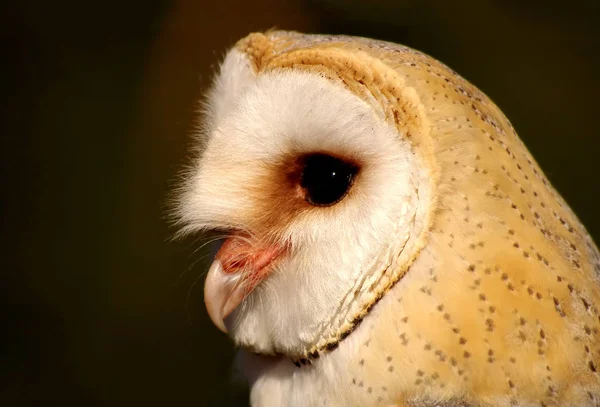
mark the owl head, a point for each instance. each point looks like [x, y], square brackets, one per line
[317, 185]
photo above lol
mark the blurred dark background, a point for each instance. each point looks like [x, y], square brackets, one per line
[98, 100]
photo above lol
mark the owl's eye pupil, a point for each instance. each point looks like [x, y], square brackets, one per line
[326, 179]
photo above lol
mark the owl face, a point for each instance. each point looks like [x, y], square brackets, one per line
[318, 195]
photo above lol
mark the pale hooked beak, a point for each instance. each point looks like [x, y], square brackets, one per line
[239, 266]
[222, 293]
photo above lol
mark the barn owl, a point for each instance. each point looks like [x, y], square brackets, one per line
[390, 241]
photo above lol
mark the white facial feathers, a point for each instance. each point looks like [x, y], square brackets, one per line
[255, 124]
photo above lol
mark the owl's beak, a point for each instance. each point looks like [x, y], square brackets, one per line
[238, 268]
[222, 294]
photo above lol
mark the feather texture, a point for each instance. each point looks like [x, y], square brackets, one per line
[453, 274]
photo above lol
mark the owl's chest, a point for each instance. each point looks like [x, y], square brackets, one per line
[447, 335]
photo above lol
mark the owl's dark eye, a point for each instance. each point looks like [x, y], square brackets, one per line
[326, 179]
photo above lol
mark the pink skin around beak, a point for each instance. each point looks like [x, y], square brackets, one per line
[238, 268]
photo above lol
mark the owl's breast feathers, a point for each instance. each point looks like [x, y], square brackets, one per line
[498, 301]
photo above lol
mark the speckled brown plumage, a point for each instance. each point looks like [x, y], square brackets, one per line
[499, 303]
